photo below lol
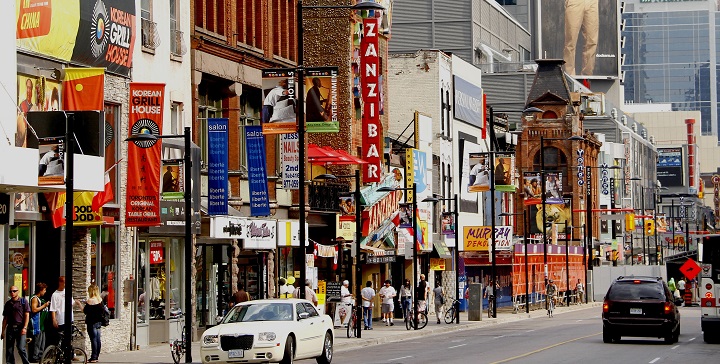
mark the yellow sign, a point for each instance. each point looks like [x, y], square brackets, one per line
[629, 222]
[409, 174]
[476, 238]
[437, 264]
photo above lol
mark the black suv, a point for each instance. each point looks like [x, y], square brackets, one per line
[640, 306]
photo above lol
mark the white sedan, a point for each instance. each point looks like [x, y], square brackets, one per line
[269, 331]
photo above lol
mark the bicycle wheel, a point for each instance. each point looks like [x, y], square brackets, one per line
[177, 351]
[351, 326]
[79, 356]
[450, 315]
[422, 320]
[408, 321]
[50, 355]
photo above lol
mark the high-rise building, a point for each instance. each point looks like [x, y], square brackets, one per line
[671, 56]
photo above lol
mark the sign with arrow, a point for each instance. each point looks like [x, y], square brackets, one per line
[690, 269]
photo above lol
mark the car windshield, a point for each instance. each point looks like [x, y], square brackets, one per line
[259, 312]
[636, 291]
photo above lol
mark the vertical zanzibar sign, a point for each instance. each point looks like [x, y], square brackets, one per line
[257, 172]
[217, 166]
[143, 176]
[371, 127]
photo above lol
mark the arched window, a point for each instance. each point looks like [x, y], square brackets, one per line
[549, 114]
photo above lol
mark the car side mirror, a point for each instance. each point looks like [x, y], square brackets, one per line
[303, 315]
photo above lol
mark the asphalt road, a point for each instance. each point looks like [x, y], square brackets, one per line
[570, 337]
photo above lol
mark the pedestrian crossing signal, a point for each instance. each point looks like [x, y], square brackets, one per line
[649, 227]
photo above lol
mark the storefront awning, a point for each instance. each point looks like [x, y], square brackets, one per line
[327, 156]
[442, 249]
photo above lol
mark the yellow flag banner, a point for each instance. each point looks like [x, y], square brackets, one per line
[84, 213]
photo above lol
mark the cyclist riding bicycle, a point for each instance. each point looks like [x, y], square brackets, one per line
[551, 291]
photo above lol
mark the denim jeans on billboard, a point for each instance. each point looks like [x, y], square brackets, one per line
[95, 344]
[367, 316]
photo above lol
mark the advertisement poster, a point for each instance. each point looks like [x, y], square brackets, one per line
[468, 194]
[217, 166]
[556, 213]
[477, 238]
[532, 190]
[447, 224]
[172, 182]
[279, 103]
[290, 161]
[583, 33]
[257, 171]
[479, 177]
[321, 100]
[369, 82]
[670, 167]
[143, 173]
[504, 172]
[98, 33]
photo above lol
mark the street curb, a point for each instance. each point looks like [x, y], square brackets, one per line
[351, 344]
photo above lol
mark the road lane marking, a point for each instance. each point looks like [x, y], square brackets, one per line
[654, 360]
[530, 330]
[401, 358]
[691, 339]
[456, 346]
[499, 337]
[675, 347]
[545, 348]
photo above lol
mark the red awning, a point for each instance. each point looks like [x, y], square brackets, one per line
[327, 155]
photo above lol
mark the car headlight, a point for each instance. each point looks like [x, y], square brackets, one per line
[266, 336]
[210, 340]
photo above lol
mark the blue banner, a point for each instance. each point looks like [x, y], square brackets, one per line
[217, 166]
[257, 171]
[469, 103]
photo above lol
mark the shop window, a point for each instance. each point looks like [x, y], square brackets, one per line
[160, 279]
[103, 257]
[18, 267]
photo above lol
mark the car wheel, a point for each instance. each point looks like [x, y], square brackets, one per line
[327, 353]
[709, 338]
[607, 336]
[676, 334]
[288, 356]
[670, 337]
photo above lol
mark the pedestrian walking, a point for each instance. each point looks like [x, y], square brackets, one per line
[439, 293]
[57, 306]
[16, 315]
[93, 310]
[681, 287]
[580, 291]
[38, 317]
[368, 296]
[387, 294]
[406, 297]
[422, 294]
[241, 295]
[309, 293]
[671, 286]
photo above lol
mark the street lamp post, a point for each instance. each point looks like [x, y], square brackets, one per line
[457, 248]
[187, 161]
[300, 119]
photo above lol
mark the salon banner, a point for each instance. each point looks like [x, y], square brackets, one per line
[96, 33]
[257, 171]
[217, 166]
[144, 157]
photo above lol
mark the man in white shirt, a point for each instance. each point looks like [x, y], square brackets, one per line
[309, 293]
[387, 294]
[367, 294]
[57, 306]
[681, 287]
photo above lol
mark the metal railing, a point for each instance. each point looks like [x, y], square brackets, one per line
[177, 44]
[150, 36]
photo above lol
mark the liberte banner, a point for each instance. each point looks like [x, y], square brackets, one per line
[217, 166]
[371, 127]
[98, 33]
[257, 171]
[144, 157]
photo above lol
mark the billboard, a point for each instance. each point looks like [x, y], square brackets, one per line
[278, 111]
[321, 100]
[670, 167]
[532, 190]
[98, 33]
[468, 102]
[583, 33]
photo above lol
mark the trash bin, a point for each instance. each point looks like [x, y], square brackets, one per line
[474, 302]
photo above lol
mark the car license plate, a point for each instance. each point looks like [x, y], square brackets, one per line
[236, 353]
[636, 311]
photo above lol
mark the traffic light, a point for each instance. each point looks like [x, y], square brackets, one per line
[650, 227]
[629, 222]
[615, 256]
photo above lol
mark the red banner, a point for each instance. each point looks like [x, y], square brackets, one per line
[371, 126]
[143, 176]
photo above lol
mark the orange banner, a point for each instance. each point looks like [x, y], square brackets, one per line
[143, 182]
[84, 89]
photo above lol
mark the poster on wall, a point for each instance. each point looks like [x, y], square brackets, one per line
[321, 100]
[583, 33]
[279, 101]
[143, 173]
[98, 33]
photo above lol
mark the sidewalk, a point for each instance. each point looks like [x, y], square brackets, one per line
[380, 334]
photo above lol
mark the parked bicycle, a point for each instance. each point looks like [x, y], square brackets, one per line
[451, 313]
[177, 346]
[54, 354]
[422, 319]
[352, 324]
